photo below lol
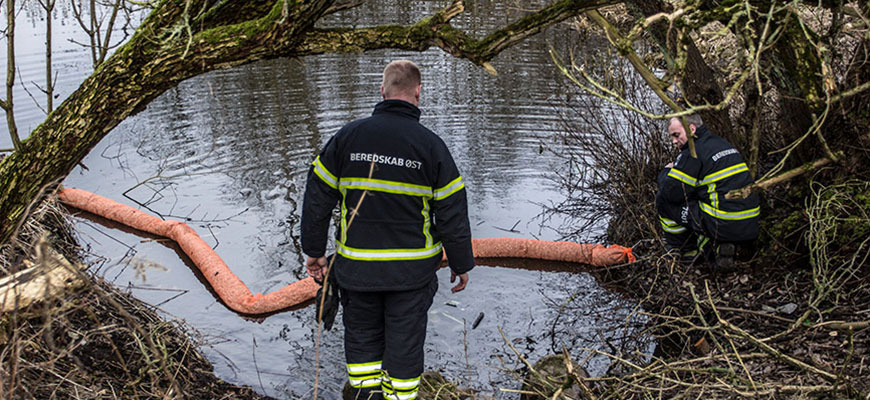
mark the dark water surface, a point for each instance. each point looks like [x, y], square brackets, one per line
[228, 151]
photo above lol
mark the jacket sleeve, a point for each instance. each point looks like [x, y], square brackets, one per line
[677, 184]
[450, 206]
[321, 196]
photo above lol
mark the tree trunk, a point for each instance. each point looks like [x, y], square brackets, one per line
[699, 80]
[796, 71]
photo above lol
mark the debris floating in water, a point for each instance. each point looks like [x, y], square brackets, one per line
[477, 320]
[452, 317]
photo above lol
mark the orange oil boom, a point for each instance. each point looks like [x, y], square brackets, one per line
[236, 295]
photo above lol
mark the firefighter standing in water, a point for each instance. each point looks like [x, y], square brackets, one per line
[401, 199]
[698, 221]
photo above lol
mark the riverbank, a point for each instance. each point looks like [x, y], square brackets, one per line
[93, 341]
[775, 328]
[792, 321]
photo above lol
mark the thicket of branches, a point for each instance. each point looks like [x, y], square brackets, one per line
[788, 85]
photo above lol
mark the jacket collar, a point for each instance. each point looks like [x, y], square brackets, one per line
[399, 107]
[700, 132]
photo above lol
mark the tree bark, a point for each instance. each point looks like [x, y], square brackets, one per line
[699, 80]
[796, 72]
[156, 59]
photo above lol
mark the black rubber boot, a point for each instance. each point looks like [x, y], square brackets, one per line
[725, 253]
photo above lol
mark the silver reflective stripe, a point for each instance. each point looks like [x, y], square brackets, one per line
[730, 215]
[682, 177]
[426, 222]
[373, 367]
[404, 384]
[409, 396]
[668, 221]
[673, 230]
[724, 173]
[380, 185]
[450, 188]
[343, 215]
[671, 226]
[324, 173]
[388, 254]
[714, 195]
[368, 382]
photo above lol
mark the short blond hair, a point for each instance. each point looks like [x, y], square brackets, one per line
[401, 77]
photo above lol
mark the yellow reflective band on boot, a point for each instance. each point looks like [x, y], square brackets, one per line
[381, 185]
[388, 254]
[724, 173]
[730, 215]
[683, 177]
[448, 189]
[324, 174]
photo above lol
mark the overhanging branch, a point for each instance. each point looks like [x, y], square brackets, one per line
[436, 31]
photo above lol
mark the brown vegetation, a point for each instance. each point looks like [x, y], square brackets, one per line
[93, 342]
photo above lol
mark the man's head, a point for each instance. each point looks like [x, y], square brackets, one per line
[678, 134]
[402, 82]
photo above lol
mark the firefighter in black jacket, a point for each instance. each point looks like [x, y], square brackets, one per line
[402, 200]
[696, 217]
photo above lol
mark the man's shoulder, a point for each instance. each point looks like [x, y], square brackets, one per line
[711, 143]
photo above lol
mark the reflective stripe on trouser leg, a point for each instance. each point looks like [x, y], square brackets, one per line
[400, 389]
[363, 318]
[405, 316]
[364, 375]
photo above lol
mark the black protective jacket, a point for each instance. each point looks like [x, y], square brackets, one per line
[401, 199]
[704, 181]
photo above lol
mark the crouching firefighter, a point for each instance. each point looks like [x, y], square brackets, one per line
[698, 221]
[402, 201]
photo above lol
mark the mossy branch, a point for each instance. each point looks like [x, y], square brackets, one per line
[436, 31]
[783, 177]
[624, 47]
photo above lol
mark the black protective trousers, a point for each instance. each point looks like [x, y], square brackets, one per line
[386, 330]
[687, 216]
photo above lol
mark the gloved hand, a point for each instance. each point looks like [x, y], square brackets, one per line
[327, 295]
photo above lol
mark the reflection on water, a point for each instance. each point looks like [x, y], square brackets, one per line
[228, 152]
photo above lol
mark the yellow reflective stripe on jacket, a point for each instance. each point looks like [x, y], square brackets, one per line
[448, 189]
[380, 185]
[324, 173]
[671, 226]
[426, 222]
[682, 177]
[724, 173]
[730, 215]
[388, 254]
[714, 195]
[343, 215]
